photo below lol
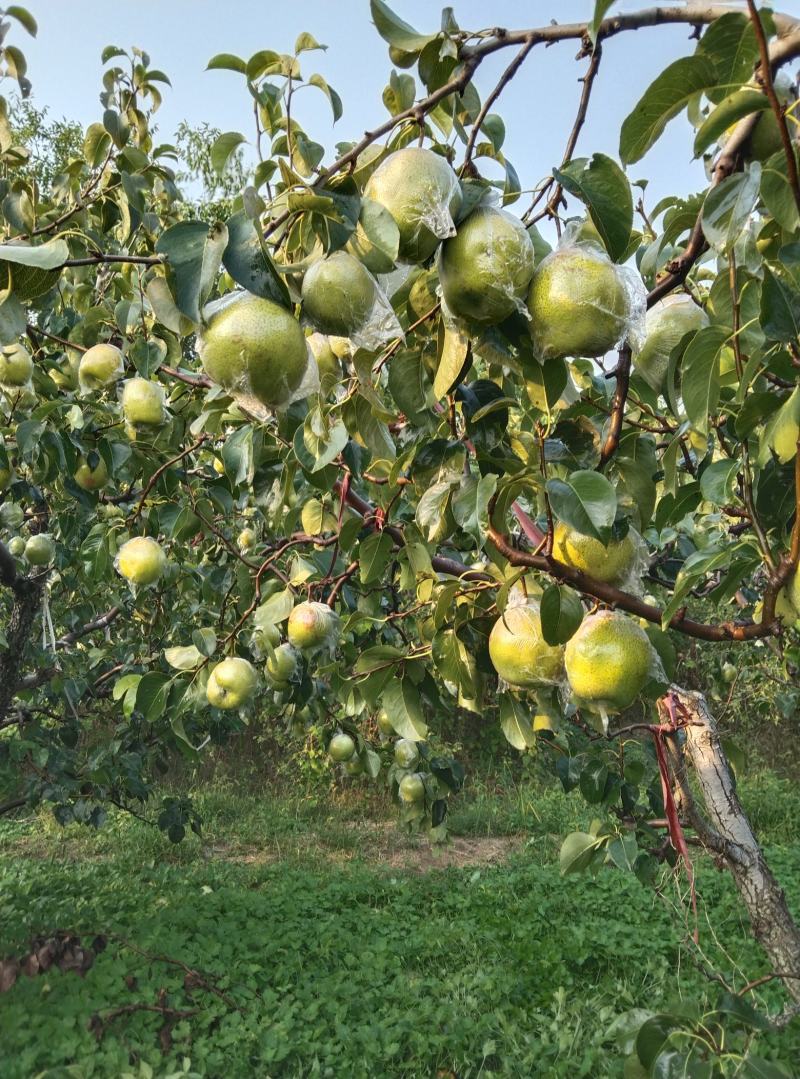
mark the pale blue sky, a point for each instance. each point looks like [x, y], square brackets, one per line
[538, 106]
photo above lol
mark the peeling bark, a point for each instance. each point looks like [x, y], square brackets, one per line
[726, 831]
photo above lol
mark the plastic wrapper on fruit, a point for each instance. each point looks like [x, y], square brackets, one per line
[486, 268]
[621, 562]
[422, 193]
[583, 304]
[257, 352]
[610, 661]
[341, 297]
[518, 650]
[380, 326]
[665, 325]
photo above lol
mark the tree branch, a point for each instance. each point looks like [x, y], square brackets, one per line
[623, 375]
[615, 597]
[162, 469]
[769, 89]
[100, 258]
[786, 47]
[572, 141]
[505, 79]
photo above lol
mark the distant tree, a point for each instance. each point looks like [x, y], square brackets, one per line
[51, 144]
[218, 189]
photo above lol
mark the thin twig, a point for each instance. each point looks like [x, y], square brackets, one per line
[505, 79]
[765, 72]
[159, 472]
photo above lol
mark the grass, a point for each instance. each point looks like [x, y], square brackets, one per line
[337, 957]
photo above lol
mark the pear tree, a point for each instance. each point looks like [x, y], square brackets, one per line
[406, 435]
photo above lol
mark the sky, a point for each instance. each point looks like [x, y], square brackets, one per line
[538, 106]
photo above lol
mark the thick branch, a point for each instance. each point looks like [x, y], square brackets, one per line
[102, 622]
[772, 923]
[8, 567]
[614, 597]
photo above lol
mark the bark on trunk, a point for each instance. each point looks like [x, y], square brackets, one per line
[27, 601]
[726, 831]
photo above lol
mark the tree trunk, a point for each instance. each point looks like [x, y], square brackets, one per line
[27, 601]
[726, 831]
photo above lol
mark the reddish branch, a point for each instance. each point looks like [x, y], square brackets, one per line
[159, 472]
[615, 597]
[441, 564]
[777, 108]
[623, 376]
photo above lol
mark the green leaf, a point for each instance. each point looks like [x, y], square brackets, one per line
[307, 43]
[600, 9]
[623, 851]
[470, 505]
[321, 439]
[780, 302]
[718, 480]
[183, 658]
[730, 43]
[586, 502]
[330, 93]
[376, 239]
[374, 431]
[561, 613]
[700, 380]
[165, 309]
[12, 322]
[730, 110]
[226, 61]
[96, 144]
[777, 194]
[23, 17]
[247, 261]
[432, 507]
[205, 641]
[194, 252]
[151, 695]
[454, 359]
[403, 706]
[273, 610]
[381, 655]
[395, 31]
[374, 553]
[515, 722]
[237, 456]
[222, 149]
[664, 98]
[728, 206]
[758, 1068]
[49, 256]
[400, 93]
[263, 62]
[577, 852]
[603, 187]
[544, 383]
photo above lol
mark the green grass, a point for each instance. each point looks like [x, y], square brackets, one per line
[341, 965]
